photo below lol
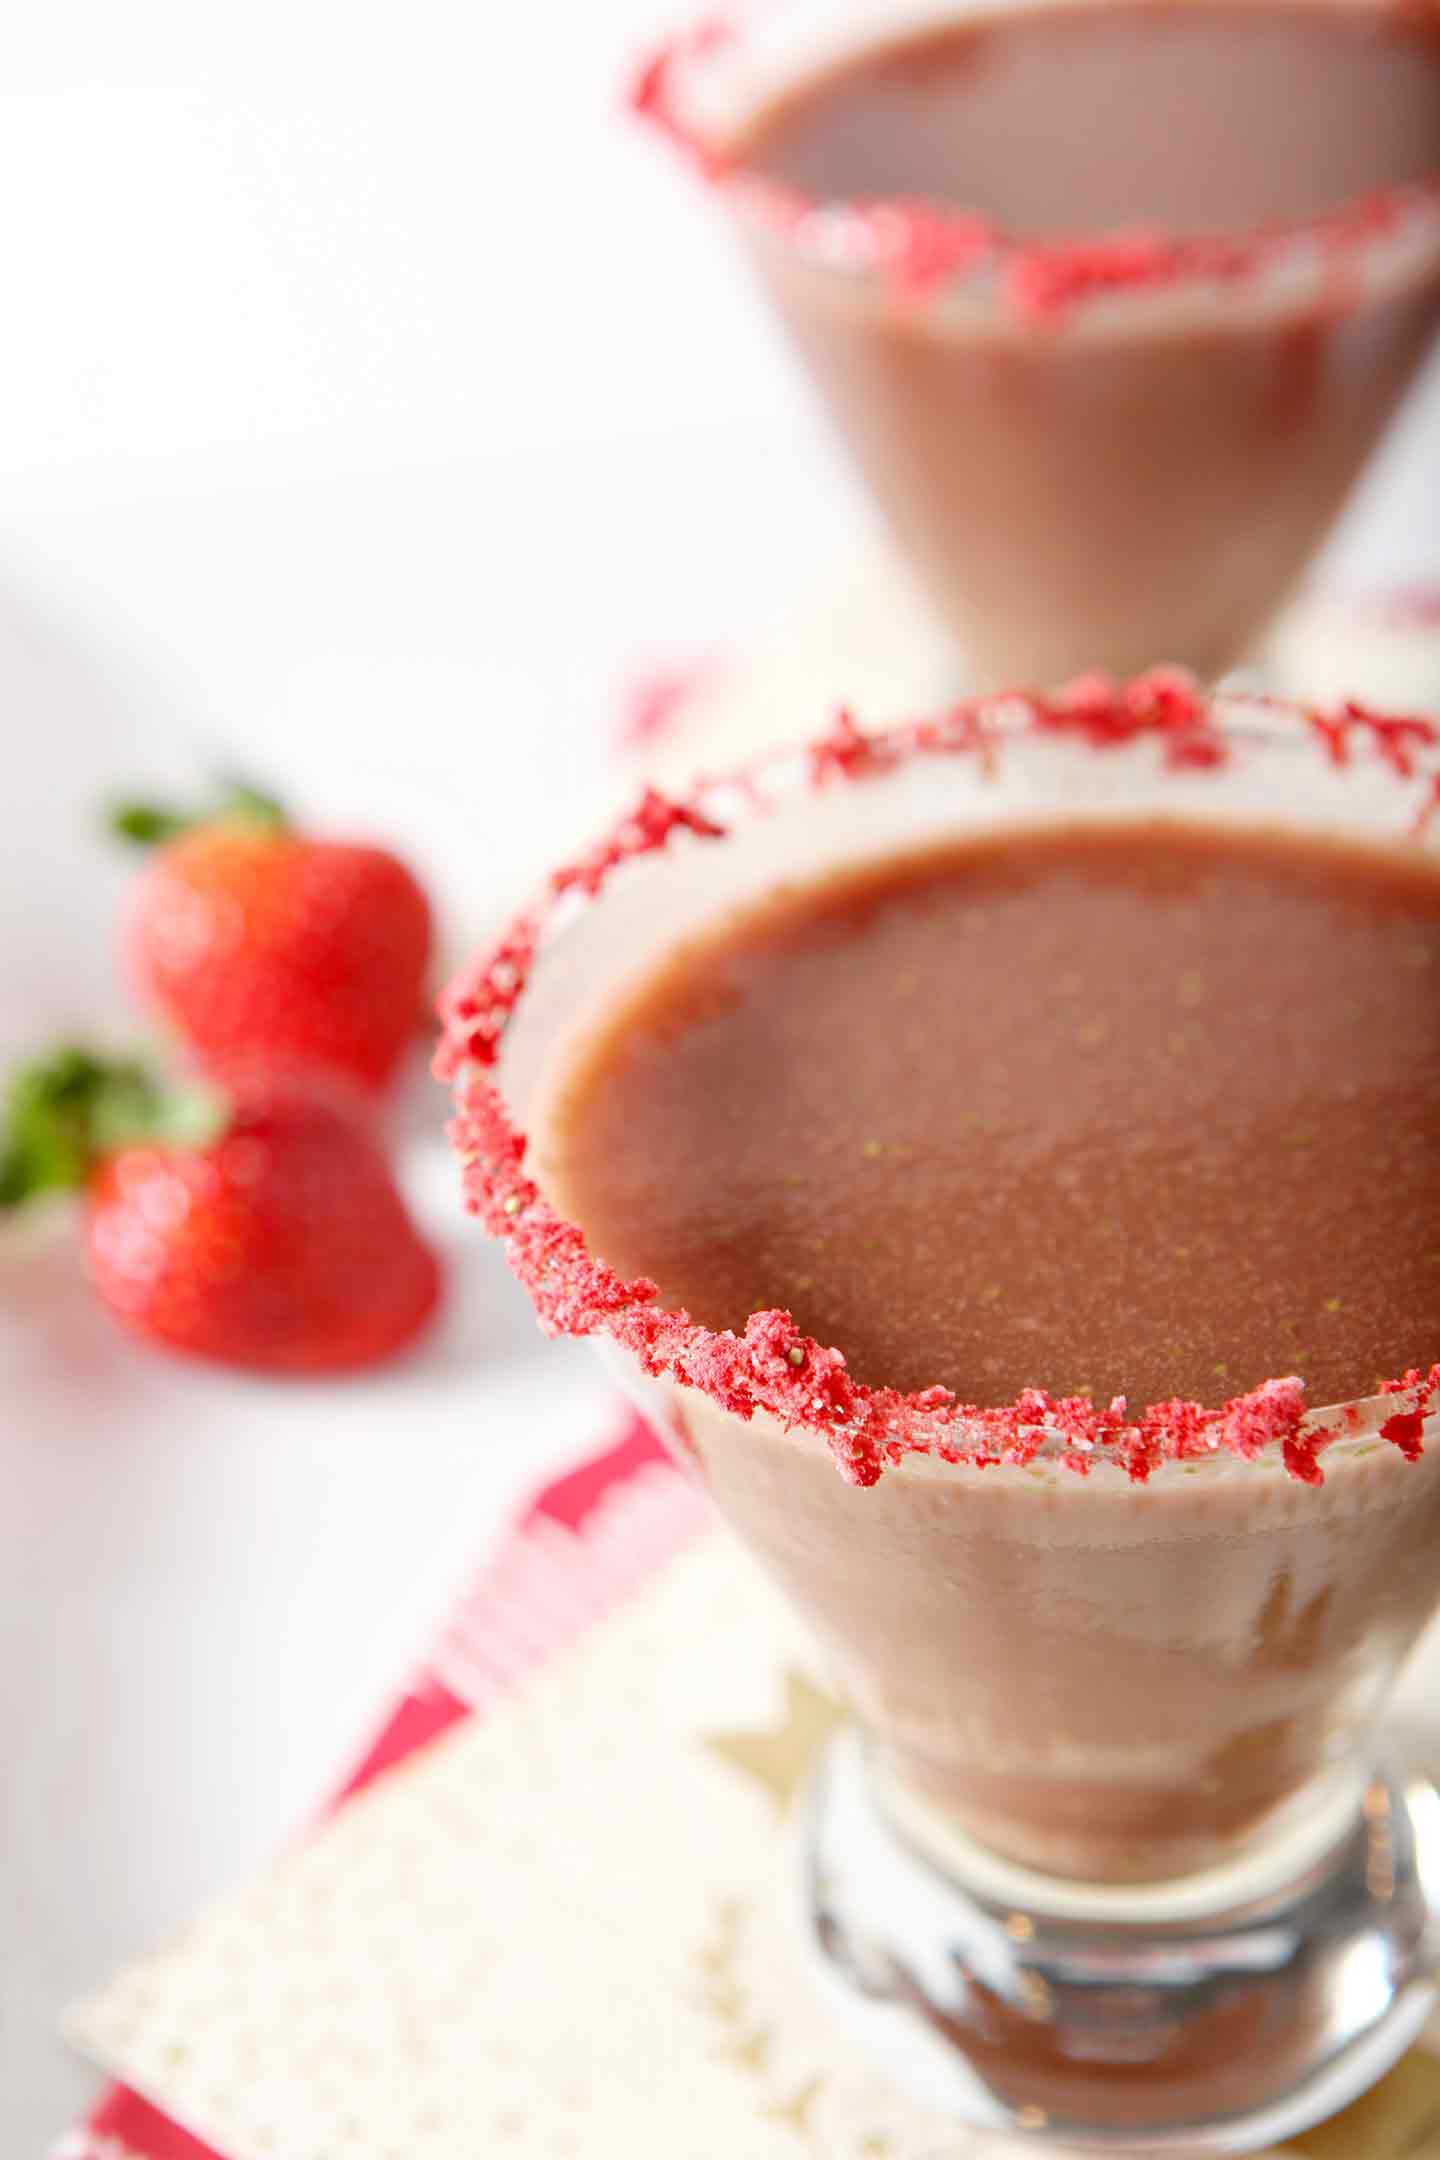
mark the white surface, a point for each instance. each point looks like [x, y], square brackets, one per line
[206, 1584]
[368, 408]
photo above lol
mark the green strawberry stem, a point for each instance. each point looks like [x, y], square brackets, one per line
[66, 1112]
[146, 824]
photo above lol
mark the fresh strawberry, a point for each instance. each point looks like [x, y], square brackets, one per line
[259, 944]
[264, 1232]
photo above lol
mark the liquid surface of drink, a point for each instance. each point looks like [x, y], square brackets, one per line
[1085, 119]
[1150, 1110]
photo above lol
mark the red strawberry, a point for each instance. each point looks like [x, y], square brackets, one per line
[259, 944]
[275, 1240]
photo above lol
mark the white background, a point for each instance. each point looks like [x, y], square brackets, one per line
[372, 401]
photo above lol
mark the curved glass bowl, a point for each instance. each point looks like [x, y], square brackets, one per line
[1058, 436]
[1240, 1627]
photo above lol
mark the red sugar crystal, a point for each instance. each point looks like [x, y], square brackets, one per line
[653, 702]
[920, 248]
[1168, 702]
[1402, 740]
[845, 752]
[1405, 1429]
[1398, 740]
[652, 92]
[773, 1367]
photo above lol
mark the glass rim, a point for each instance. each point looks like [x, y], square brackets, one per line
[772, 1366]
[925, 252]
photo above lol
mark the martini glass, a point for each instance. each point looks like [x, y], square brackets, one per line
[1151, 1882]
[1056, 433]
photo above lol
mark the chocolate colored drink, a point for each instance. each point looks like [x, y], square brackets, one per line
[1090, 458]
[1150, 1110]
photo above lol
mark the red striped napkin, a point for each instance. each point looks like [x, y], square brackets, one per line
[569, 1558]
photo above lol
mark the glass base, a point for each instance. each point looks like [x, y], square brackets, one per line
[1153, 2020]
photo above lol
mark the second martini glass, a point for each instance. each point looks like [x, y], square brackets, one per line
[1072, 281]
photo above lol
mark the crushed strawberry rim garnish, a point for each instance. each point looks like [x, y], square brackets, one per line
[772, 1366]
[921, 248]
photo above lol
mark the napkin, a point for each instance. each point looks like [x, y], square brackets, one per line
[581, 1545]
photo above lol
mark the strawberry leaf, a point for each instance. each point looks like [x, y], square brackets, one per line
[66, 1112]
[145, 824]
[237, 802]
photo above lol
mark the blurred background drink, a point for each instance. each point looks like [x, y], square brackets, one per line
[1075, 281]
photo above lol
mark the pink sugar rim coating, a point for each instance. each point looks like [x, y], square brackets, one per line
[918, 247]
[772, 1366]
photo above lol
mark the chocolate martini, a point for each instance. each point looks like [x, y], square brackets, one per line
[1111, 303]
[1037, 1108]
[1141, 1110]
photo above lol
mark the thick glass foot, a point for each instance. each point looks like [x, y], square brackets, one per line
[1219, 2015]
